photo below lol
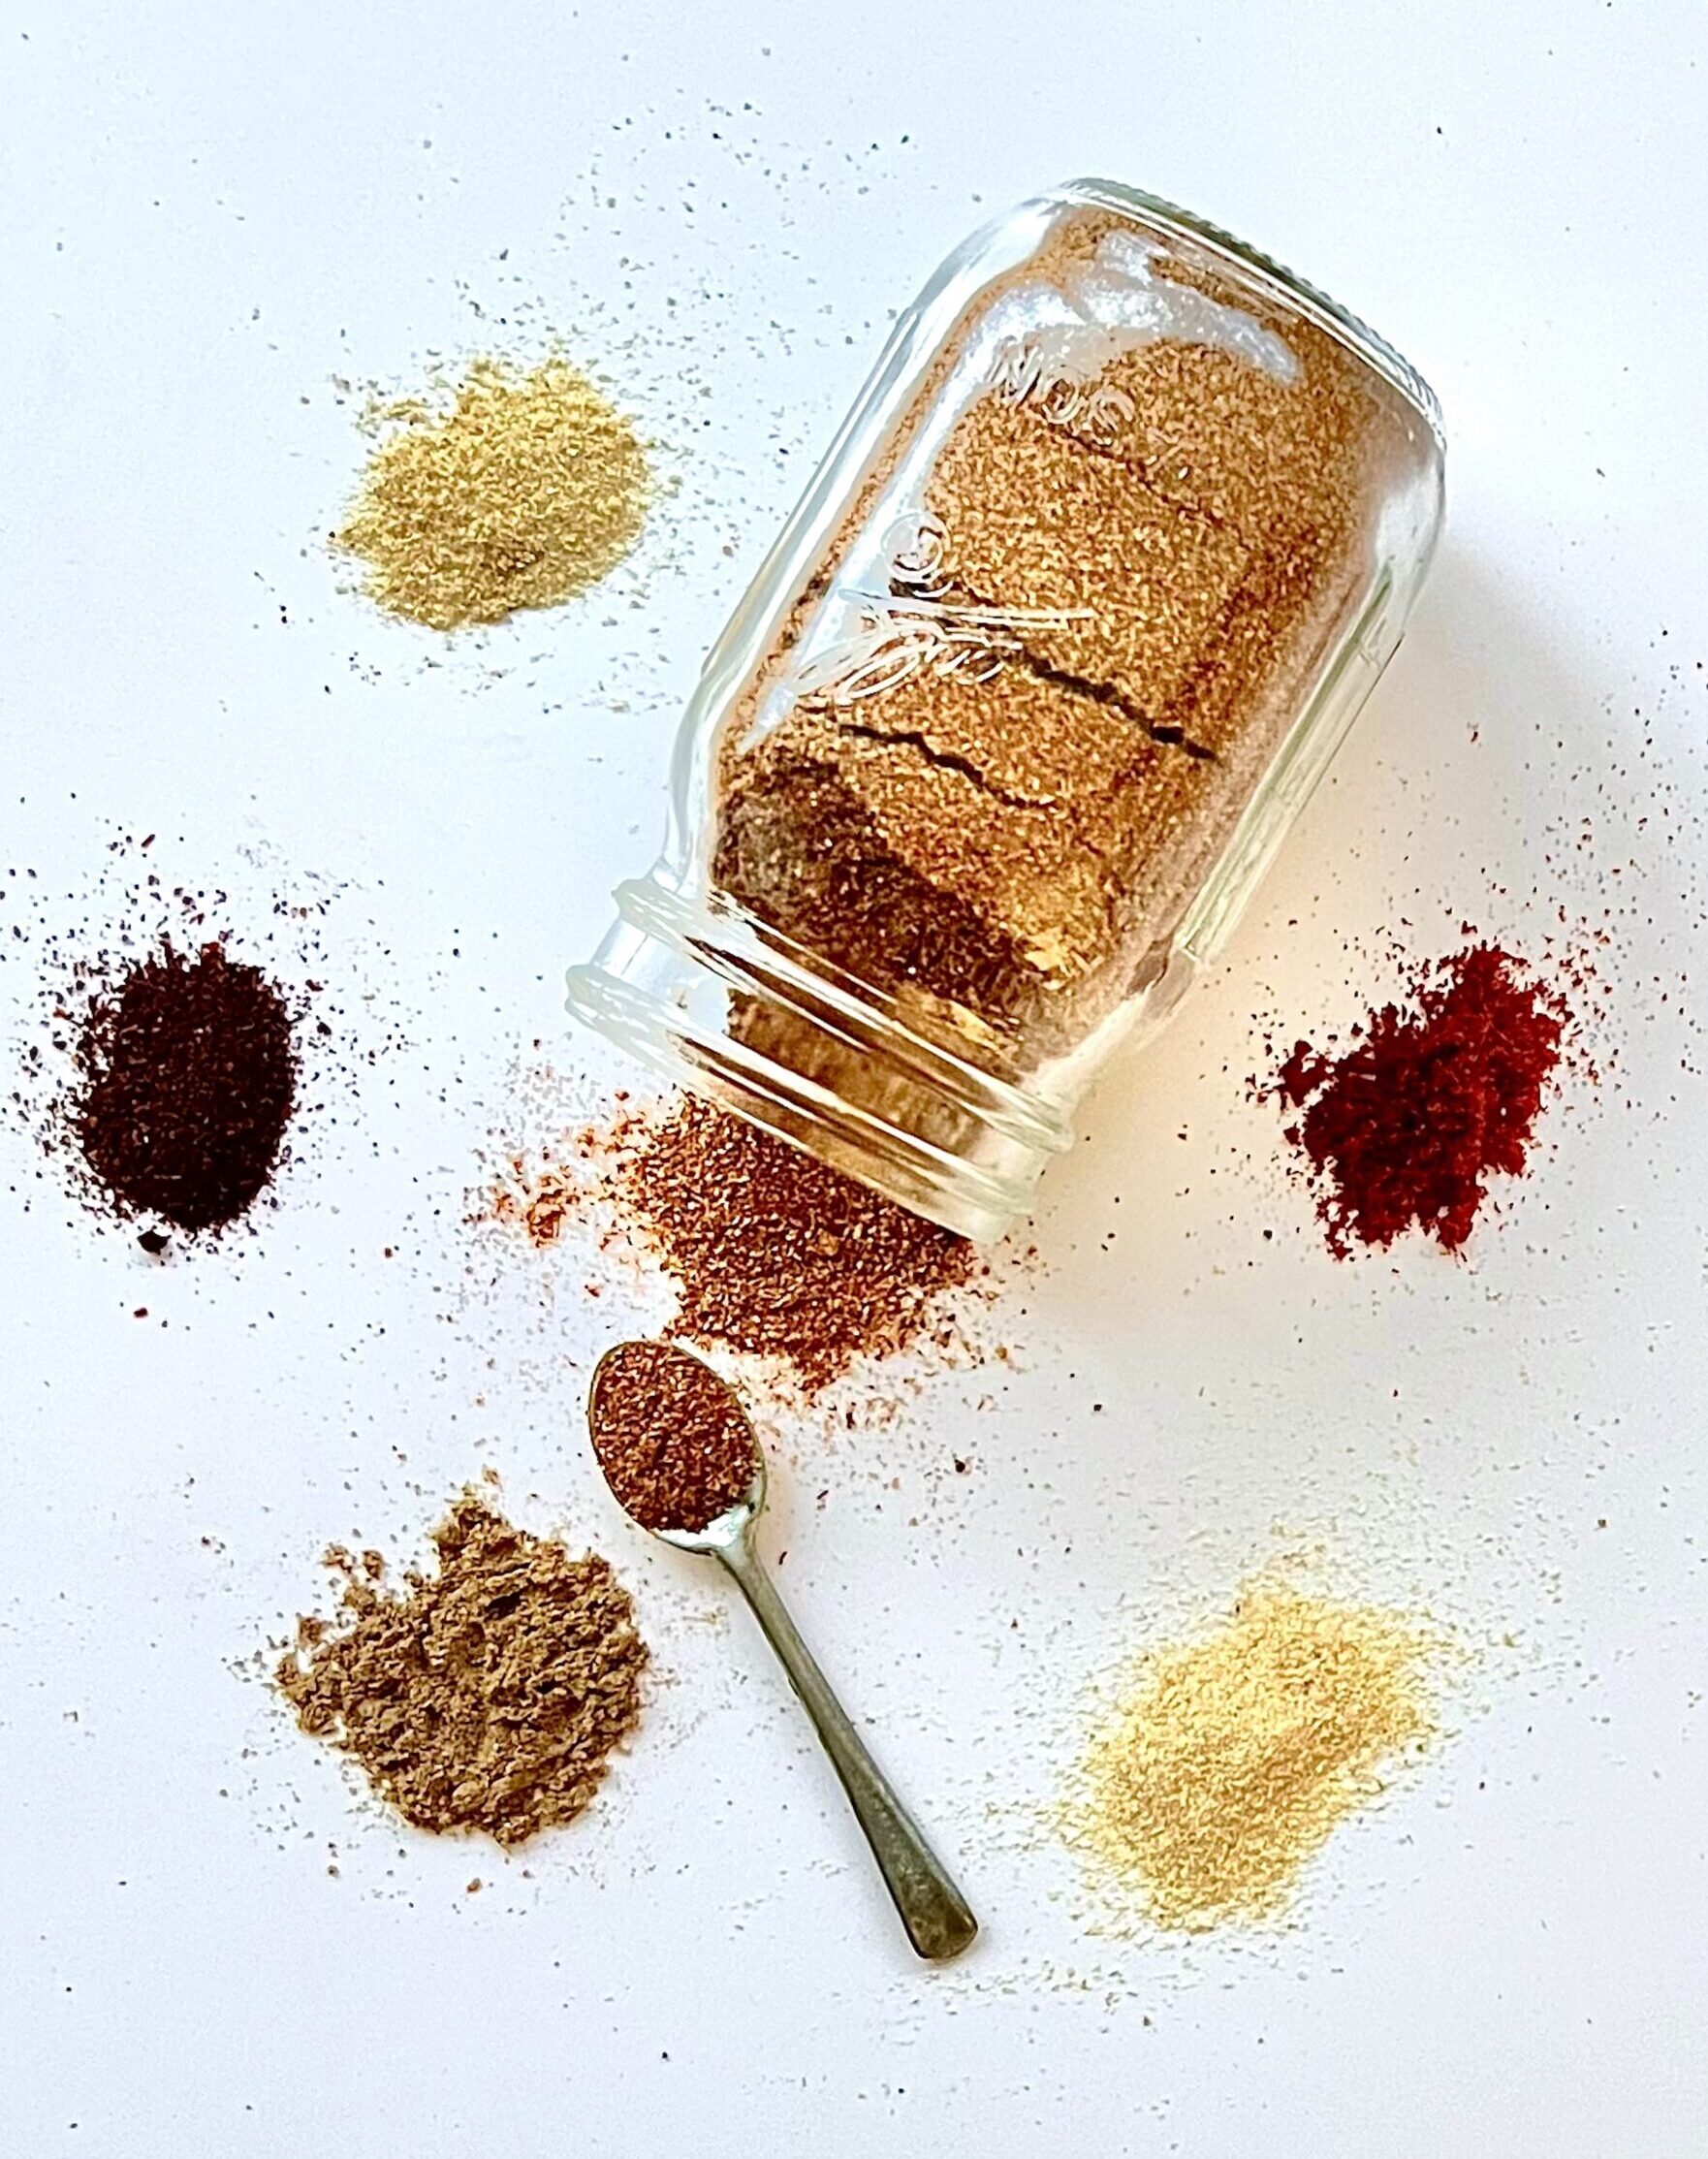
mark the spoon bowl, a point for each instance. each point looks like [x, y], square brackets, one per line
[734, 1522]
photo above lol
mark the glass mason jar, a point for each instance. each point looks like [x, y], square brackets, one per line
[1019, 707]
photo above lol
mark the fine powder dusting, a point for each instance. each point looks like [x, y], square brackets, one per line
[1236, 1756]
[778, 1254]
[530, 489]
[187, 1077]
[674, 1443]
[1434, 1095]
[487, 1696]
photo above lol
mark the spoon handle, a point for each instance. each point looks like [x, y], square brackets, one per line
[933, 1911]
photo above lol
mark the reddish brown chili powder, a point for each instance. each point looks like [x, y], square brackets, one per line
[674, 1443]
[775, 1253]
[1436, 1094]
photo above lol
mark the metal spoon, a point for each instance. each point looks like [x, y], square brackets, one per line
[938, 1920]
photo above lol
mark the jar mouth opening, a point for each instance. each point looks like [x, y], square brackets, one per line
[713, 1001]
[1329, 314]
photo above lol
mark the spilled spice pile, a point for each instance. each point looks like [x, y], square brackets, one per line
[1436, 1094]
[778, 1254]
[487, 1696]
[531, 488]
[1237, 1755]
[187, 1077]
[773, 1254]
[674, 1443]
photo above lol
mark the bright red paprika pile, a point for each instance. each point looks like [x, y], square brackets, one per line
[1435, 1096]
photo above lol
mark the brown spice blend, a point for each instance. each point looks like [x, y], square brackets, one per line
[674, 1443]
[487, 1696]
[772, 1252]
[778, 1254]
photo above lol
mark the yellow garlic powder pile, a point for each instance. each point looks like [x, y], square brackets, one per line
[1233, 1758]
[530, 488]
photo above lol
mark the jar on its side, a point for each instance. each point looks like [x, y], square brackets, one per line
[1019, 707]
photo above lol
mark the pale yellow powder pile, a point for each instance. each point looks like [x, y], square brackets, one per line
[1233, 1758]
[530, 488]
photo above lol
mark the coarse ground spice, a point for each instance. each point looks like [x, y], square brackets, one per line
[1234, 1758]
[775, 1253]
[487, 1696]
[675, 1444]
[1435, 1094]
[529, 488]
[187, 1077]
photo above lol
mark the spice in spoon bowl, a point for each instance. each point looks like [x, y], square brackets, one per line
[675, 1445]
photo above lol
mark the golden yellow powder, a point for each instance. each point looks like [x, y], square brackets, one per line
[1235, 1757]
[529, 488]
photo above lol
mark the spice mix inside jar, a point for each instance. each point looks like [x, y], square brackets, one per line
[1114, 544]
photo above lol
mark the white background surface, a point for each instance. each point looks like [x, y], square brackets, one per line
[212, 213]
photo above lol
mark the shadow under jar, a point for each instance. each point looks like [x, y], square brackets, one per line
[1066, 627]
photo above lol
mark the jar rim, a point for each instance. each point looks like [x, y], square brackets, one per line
[1329, 314]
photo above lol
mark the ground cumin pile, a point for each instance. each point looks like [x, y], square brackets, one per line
[1234, 1757]
[489, 1694]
